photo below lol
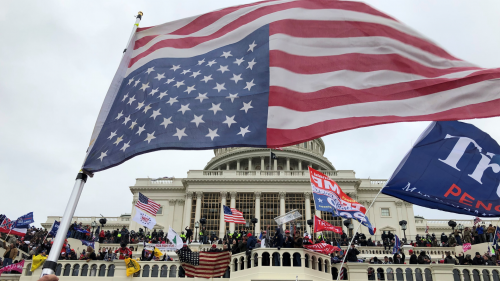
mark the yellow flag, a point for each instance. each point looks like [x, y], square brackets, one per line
[132, 266]
[37, 261]
[158, 253]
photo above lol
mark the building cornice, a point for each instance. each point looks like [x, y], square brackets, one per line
[187, 181]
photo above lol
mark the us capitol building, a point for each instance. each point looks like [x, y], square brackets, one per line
[245, 179]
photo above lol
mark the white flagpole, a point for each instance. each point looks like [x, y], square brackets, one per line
[353, 235]
[49, 231]
[49, 267]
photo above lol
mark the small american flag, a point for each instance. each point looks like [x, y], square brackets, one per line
[147, 205]
[233, 215]
[342, 273]
[477, 220]
[204, 264]
[426, 229]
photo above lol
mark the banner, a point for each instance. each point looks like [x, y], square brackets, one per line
[132, 266]
[38, 260]
[397, 245]
[162, 247]
[15, 231]
[24, 221]
[329, 197]
[13, 267]
[466, 247]
[175, 238]
[144, 218]
[88, 243]
[55, 228]
[321, 225]
[323, 248]
[452, 167]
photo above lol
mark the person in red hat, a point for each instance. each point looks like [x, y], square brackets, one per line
[251, 242]
[413, 257]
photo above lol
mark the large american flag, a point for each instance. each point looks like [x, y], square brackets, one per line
[148, 205]
[233, 215]
[477, 220]
[204, 264]
[277, 73]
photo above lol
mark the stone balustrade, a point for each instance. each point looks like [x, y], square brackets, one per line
[269, 173]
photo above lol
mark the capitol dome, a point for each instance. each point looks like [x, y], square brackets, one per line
[292, 158]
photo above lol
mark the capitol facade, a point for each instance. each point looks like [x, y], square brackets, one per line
[263, 188]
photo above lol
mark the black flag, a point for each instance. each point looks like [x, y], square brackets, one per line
[273, 156]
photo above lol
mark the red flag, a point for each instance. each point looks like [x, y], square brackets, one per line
[321, 225]
[322, 248]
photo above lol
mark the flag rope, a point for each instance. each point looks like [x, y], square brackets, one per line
[352, 239]
[50, 264]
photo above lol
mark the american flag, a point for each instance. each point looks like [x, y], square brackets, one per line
[204, 264]
[147, 205]
[426, 229]
[477, 220]
[342, 273]
[277, 73]
[233, 215]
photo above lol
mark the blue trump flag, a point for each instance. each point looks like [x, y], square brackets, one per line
[397, 244]
[88, 243]
[55, 228]
[453, 167]
[24, 221]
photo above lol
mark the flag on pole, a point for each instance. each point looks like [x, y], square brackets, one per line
[426, 229]
[329, 197]
[6, 221]
[204, 264]
[174, 238]
[54, 228]
[322, 225]
[24, 221]
[233, 215]
[148, 205]
[452, 167]
[477, 220]
[274, 156]
[277, 73]
[144, 219]
[397, 245]
[88, 243]
[496, 238]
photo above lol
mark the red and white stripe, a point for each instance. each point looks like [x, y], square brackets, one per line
[334, 66]
[211, 264]
[14, 231]
[236, 217]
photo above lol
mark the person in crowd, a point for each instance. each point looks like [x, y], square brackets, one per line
[473, 232]
[468, 260]
[449, 259]
[490, 231]
[278, 243]
[423, 258]
[399, 257]
[90, 255]
[478, 259]
[288, 243]
[413, 257]
[352, 254]
[10, 253]
[101, 236]
[189, 233]
[251, 242]
[123, 252]
[444, 238]
[457, 236]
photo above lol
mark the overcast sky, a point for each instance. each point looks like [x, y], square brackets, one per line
[57, 59]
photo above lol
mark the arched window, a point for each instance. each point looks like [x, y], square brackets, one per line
[111, 270]
[93, 270]
[266, 259]
[145, 271]
[235, 264]
[58, 269]
[173, 271]
[495, 276]
[28, 270]
[371, 273]
[242, 263]
[456, 275]
[409, 274]
[76, 268]
[390, 274]
[296, 259]
[85, 270]
[418, 275]
[67, 270]
[475, 275]
[486, 275]
[320, 264]
[286, 259]
[255, 260]
[327, 266]
[154, 271]
[428, 274]
[102, 270]
[466, 275]
[164, 271]
[399, 274]
[335, 271]
[313, 262]
[306, 262]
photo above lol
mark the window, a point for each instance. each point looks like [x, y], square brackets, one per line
[384, 212]
[160, 211]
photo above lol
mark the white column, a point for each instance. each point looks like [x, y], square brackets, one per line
[257, 211]
[288, 164]
[179, 208]
[300, 165]
[227, 166]
[222, 226]
[250, 164]
[282, 205]
[262, 167]
[238, 164]
[307, 197]
[275, 164]
[197, 214]
[171, 213]
[187, 209]
[233, 205]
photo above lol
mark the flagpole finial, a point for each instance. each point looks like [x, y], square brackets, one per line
[140, 14]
